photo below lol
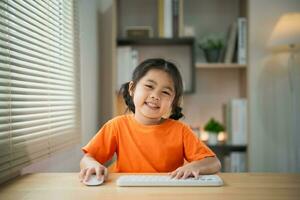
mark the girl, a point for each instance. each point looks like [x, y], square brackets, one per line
[150, 139]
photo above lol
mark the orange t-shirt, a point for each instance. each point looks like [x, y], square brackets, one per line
[146, 148]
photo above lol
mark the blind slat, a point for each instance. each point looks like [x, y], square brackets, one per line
[7, 41]
[21, 32]
[49, 29]
[38, 133]
[21, 52]
[35, 41]
[6, 64]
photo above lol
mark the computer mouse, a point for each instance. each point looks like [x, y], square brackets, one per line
[93, 181]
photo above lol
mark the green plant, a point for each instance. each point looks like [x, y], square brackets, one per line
[213, 126]
[212, 41]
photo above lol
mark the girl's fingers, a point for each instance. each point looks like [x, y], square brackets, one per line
[186, 174]
[196, 175]
[179, 175]
[88, 173]
[82, 174]
[98, 173]
[173, 173]
[105, 173]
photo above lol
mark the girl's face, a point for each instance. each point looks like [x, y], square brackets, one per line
[152, 96]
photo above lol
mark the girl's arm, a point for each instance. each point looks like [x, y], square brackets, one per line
[209, 165]
[89, 166]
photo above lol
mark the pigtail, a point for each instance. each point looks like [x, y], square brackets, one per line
[176, 114]
[126, 96]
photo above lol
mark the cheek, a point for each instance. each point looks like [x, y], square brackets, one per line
[168, 102]
[138, 98]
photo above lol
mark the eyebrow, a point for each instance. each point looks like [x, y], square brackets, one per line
[154, 82]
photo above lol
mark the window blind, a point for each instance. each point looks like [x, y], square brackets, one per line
[39, 81]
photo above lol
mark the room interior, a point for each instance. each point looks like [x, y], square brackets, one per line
[272, 90]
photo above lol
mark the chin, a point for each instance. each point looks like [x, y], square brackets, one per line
[152, 116]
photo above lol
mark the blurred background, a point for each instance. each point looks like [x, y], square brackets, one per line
[239, 60]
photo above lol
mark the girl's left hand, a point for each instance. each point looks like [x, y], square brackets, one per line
[209, 165]
[188, 170]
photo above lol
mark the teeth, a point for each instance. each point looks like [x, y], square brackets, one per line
[152, 105]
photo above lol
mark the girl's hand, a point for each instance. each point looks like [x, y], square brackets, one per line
[209, 165]
[93, 168]
[188, 170]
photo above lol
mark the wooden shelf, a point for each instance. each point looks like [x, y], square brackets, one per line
[219, 66]
[156, 41]
[228, 147]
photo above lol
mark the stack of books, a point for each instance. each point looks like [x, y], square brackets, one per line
[170, 18]
[236, 121]
[236, 126]
[236, 45]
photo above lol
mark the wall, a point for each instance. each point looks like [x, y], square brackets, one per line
[68, 160]
[274, 109]
[107, 36]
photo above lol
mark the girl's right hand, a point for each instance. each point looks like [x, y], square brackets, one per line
[93, 168]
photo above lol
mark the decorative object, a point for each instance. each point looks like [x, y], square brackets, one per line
[212, 46]
[213, 127]
[139, 32]
[189, 31]
[286, 37]
[203, 135]
[222, 137]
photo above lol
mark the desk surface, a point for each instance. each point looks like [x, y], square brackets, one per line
[44, 186]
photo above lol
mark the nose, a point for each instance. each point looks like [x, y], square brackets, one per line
[154, 96]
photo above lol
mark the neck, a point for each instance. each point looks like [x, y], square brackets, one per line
[147, 121]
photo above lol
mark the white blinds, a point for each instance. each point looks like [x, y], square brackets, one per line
[39, 81]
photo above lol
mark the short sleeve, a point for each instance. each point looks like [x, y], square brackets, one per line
[103, 145]
[194, 148]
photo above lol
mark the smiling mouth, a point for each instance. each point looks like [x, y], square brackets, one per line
[152, 105]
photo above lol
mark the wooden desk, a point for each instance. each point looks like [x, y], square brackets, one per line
[44, 186]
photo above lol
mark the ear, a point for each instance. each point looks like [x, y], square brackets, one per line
[130, 88]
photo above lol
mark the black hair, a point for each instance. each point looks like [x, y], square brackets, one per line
[161, 64]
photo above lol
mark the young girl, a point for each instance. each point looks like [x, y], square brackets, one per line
[150, 139]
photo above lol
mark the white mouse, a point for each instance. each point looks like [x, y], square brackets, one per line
[94, 181]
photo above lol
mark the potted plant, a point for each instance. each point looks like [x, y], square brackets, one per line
[212, 46]
[213, 127]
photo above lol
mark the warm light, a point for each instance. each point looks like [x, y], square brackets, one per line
[222, 136]
[286, 33]
[204, 135]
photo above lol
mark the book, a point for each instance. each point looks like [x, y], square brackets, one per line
[175, 18]
[168, 19]
[161, 18]
[242, 41]
[231, 43]
[181, 23]
[237, 162]
[236, 121]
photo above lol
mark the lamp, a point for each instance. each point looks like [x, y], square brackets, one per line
[286, 37]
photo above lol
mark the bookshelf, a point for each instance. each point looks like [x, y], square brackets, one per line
[212, 85]
[220, 66]
[186, 44]
[216, 83]
[156, 41]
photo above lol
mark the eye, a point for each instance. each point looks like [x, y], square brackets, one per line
[149, 86]
[167, 93]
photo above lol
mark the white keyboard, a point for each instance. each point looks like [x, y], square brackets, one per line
[164, 180]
